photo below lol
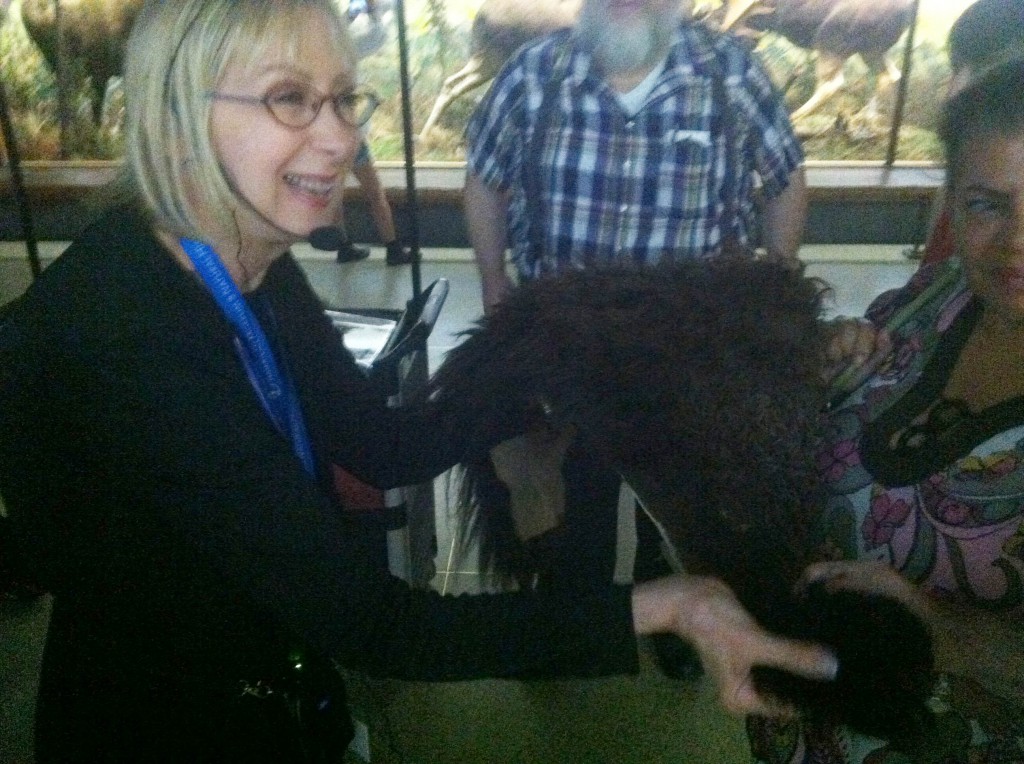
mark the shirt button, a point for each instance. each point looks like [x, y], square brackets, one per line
[623, 208]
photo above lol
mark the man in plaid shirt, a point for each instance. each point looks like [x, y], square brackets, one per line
[631, 163]
[639, 136]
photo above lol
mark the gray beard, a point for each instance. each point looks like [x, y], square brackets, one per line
[624, 48]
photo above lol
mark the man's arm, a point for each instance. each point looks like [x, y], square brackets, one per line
[486, 216]
[784, 218]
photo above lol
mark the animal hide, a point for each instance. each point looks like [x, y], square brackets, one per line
[700, 383]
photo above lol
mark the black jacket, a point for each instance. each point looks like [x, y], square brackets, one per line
[184, 543]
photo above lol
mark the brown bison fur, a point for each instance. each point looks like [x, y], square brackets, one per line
[700, 383]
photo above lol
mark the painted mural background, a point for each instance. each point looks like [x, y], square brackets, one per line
[438, 40]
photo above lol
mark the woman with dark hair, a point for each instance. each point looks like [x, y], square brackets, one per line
[987, 34]
[924, 461]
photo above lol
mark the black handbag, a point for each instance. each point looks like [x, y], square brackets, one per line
[295, 713]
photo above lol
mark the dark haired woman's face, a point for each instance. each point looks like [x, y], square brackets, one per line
[988, 204]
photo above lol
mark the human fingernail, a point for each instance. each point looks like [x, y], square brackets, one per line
[830, 666]
[815, 575]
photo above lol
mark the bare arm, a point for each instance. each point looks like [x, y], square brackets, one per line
[784, 218]
[983, 646]
[486, 216]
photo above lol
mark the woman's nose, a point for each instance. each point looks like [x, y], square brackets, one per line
[330, 132]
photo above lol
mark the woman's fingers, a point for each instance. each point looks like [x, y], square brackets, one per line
[857, 347]
[868, 577]
[805, 659]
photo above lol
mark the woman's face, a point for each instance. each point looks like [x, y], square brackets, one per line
[292, 177]
[988, 205]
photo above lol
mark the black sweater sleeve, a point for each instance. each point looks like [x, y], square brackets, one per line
[172, 491]
[348, 416]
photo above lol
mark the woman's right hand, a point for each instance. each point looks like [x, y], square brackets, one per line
[705, 612]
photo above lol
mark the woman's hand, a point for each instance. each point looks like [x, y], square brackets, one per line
[857, 347]
[868, 577]
[530, 466]
[705, 612]
[979, 644]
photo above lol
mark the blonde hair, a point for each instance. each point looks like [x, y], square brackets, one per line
[177, 54]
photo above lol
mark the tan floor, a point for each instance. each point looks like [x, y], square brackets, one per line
[621, 720]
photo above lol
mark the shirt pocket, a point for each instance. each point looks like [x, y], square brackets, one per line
[684, 166]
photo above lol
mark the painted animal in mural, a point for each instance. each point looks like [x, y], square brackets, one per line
[700, 384]
[94, 34]
[836, 30]
[499, 29]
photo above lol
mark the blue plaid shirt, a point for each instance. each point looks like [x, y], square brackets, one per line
[647, 186]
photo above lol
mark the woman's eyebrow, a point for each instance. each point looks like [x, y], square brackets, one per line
[343, 81]
[271, 69]
[977, 188]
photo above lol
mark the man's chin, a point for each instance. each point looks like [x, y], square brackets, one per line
[627, 52]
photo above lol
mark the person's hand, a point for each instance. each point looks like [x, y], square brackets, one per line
[867, 577]
[856, 347]
[986, 646]
[705, 612]
[530, 466]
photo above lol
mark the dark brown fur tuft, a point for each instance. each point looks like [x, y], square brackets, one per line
[700, 383]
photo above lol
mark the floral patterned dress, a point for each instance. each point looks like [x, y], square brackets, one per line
[922, 484]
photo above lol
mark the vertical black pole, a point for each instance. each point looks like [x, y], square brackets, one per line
[63, 80]
[901, 92]
[17, 181]
[410, 159]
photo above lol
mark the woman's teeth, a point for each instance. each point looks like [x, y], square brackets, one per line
[310, 185]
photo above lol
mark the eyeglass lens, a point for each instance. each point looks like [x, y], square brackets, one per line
[298, 106]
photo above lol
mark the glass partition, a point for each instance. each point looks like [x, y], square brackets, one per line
[439, 34]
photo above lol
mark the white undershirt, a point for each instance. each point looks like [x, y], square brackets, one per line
[634, 99]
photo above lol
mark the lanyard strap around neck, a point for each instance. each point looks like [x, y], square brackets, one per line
[273, 388]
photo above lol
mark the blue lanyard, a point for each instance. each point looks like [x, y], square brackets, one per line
[274, 389]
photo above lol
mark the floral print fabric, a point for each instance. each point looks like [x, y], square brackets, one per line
[958, 533]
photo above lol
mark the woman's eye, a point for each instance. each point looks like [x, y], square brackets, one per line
[289, 97]
[981, 205]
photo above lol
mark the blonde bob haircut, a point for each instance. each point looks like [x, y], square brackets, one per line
[177, 54]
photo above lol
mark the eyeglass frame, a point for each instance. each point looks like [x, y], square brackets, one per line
[264, 101]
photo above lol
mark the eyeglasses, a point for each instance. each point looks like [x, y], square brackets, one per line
[297, 106]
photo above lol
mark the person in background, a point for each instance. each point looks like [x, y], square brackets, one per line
[366, 26]
[987, 33]
[172, 396]
[380, 211]
[636, 136]
[924, 460]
